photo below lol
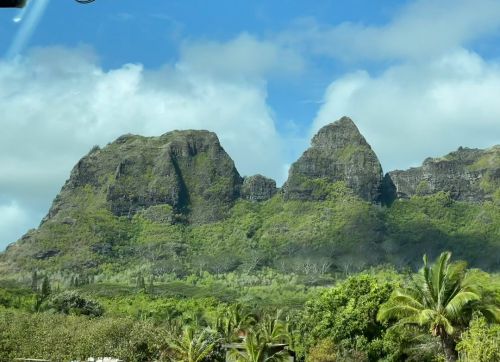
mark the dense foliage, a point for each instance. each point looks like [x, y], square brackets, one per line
[346, 316]
[480, 342]
[334, 322]
[441, 297]
[313, 275]
[59, 337]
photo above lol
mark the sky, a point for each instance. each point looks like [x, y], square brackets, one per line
[419, 78]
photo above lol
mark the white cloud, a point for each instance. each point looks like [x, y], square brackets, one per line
[416, 110]
[433, 96]
[421, 29]
[57, 103]
[244, 56]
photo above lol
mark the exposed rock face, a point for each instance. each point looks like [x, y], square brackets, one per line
[467, 174]
[188, 170]
[46, 254]
[258, 188]
[338, 153]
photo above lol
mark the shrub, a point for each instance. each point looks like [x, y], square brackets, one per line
[70, 302]
[481, 342]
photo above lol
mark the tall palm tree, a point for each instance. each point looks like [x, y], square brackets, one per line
[440, 296]
[191, 346]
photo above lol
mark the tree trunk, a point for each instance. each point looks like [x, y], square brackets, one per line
[448, 345]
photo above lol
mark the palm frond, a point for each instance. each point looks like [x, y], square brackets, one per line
[396, 311]
[420, 290]
[438, 273]
[491, 313]
[401, 296]
[448, 327]
[427, 316]
[455, 306]
[427, 286]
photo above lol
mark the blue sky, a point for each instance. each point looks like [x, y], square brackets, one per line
[419, 78]
[127, 31]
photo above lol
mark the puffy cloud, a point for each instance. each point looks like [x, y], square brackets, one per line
[421, 29]
[420, 109]
[432, 96]
[57, 103]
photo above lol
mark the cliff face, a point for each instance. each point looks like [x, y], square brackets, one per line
[467, 174]
[187, 170]
[338, 152]
[258, 188]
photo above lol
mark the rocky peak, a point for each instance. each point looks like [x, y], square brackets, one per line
[338, 135]
[258, 188]
[467, 174]
[338, 152]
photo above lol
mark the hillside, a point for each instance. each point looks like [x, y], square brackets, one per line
[176, 204]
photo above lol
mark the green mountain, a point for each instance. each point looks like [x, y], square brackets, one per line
[176, 204]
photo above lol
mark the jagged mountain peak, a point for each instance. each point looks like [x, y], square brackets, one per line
[338, 134]
[338, 152]
[166, 190]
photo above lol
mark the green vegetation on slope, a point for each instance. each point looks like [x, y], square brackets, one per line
[340, 234]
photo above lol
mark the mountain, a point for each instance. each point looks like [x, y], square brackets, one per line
[175, 204]
[187, 170]
[338, 152]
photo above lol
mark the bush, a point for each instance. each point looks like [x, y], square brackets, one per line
[70, 302]
[324, 351]
[346, 314]
[65, 338]
[481, 342]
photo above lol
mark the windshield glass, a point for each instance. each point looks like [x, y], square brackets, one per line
[249, 180]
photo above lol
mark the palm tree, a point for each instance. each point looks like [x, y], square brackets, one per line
[273, 329]
[261, 343]
[440, 296]
[258, 349]
[192, 346]
[233, 320]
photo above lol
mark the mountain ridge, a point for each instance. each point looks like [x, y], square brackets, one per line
[468, 174]
[178, 200]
